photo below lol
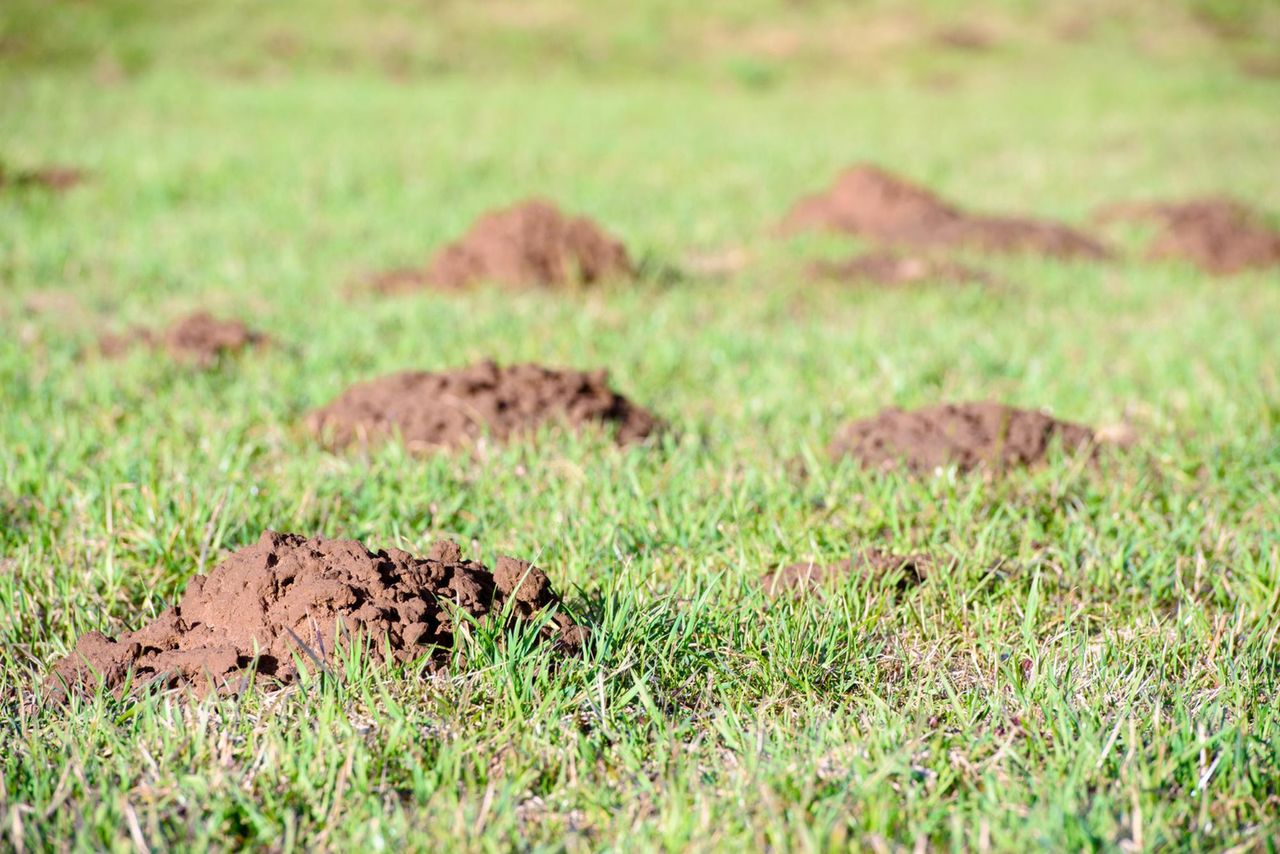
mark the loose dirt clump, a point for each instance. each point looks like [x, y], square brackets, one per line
[1219, 235]
[55, 178]
[891, 269]
[966, 435]
[528, 244]
[450, 409]
[198, 338]
[872, 203]
[871, 562]
[289, 599]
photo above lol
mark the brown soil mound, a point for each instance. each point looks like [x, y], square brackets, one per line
[873, 562]
[199, 338]
[1218, 235]
[56, 178]
[965, 37]
[453, 408]
[288, 598]
[965, 435]
[891, 269]
[527, 244]
[869, 202]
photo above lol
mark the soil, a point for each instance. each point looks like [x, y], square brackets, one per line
[528, 244]
[1217, 234]
[873, 562]
[55, 178]
[891, 269]
[199, 338]
[454, 408]
[966, 435]
[872, 203]
[965, 37]
[288, 598]
[1261, 67]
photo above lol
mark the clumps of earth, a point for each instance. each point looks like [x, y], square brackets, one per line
[964, 435]
[450, 409]
[55, 178]
[871, 203]
[1219, 235]
[892, 269]
[912, 569]
[289, 599]
[199, 338]
[532, 243]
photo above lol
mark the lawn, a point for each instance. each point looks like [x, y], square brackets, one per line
[1094, 664]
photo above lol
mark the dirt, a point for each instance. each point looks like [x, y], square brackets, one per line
[450, 409]
[56, 178]
[532, 243]
[1261, 67]
[869, 202]
[892, 269]
[1217, 234]
[966, 435]
[199, 338]
[288, 598]
[871, 562]
[967, 37]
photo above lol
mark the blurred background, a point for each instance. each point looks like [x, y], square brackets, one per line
[753, 43]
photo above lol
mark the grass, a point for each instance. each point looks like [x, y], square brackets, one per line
[1098, 668]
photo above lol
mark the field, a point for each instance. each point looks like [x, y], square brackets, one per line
[1093, 664]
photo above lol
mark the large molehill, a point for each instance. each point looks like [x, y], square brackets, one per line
[450, 409]
[869, 202]
[290, 599]
[532, 243]
[964, 435]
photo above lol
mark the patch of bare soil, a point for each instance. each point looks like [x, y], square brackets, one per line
[798, 577]
[893, 269]
[967, 37]
[966, 435]
[1219, 235]
[199, 338]
[450, 409]
[532, 243]
[872, 203]
[288, 598]
[55, 178]
[1261, 67]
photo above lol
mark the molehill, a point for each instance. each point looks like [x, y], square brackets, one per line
[528, 244]
[966, 435]
[807, 575]
[874, 204]
[1217, 234]
[199, 338]
[450, 409]
[289, 599]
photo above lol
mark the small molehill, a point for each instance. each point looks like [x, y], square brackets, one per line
[199, 338]
[871, 562]
[532, 243]
[1219, 235]
[288, 598]
[450, 409]
[891, 269]
[965, 435]
[872, 203]
[55, 178]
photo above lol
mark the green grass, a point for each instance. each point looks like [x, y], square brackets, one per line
[1097, 669]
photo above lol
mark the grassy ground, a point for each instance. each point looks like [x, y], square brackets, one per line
[1099, 667]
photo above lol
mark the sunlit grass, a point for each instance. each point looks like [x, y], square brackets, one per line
[1093, 664]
